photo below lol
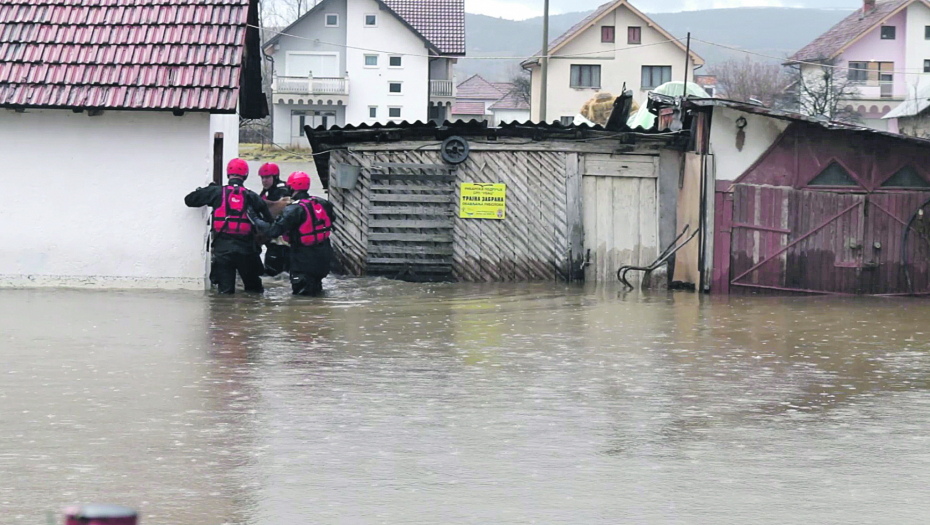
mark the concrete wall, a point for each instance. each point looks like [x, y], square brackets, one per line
[314, 27]
[369, 86]
[761, 132]
[99, 200]
[228, 125]
[617, 66]
[511, 115]
[918, 126]
[917, 48]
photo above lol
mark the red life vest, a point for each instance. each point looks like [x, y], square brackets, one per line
[316, 228]
[231, 216]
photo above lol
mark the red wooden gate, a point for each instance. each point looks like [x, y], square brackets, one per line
[784, 240]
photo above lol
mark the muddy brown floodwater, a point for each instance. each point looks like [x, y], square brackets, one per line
[389, 402]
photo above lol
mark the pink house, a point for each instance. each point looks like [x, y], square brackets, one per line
[884, 50]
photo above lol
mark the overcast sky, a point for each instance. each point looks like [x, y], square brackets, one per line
[520, 9]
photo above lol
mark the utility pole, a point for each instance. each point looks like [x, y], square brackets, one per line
[544, 63]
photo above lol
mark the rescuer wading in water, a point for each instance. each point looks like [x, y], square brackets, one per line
[234, 246]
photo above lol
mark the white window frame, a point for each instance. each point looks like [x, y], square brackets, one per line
[376, 112]
[365, 20]
[326, 19]
[287, 57]
[377, 61]
[401, 57]
[399, 93]
[400, 110]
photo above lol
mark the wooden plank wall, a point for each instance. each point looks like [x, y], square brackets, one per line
[532, 244]
[620, 213]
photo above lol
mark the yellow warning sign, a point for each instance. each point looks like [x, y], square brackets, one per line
[483, 201]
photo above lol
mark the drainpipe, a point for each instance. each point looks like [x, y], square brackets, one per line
[544, 64]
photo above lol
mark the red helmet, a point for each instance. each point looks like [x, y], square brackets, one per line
[237, 168]
[299, 181]
[269, 169]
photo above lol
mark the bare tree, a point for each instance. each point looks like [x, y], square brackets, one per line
[522, 84]
[280, 13]
[825, 91]
[748, 79]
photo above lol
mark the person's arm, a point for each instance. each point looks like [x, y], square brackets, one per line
[202, 196]
[261, 208]
[290, 219]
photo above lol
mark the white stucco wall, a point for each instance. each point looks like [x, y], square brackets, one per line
[369, 86]
[99, 200]
[617, 66]
[917, 49]
[228, 125]
[511, 115]
[761, 132]
[315, 38]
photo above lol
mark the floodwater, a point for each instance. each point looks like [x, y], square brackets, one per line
[394, 403]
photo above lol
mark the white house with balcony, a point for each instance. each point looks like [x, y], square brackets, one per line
[882, 50]
[353, 62]
[616, 45]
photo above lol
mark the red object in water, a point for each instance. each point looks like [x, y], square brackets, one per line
[100, 515]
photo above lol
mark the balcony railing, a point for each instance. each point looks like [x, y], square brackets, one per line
[311, 85]
[441, 88]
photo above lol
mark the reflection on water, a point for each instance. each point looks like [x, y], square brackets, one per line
[391, 402]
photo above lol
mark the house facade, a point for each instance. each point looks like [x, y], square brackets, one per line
[616, 45]
[111, 136]
[352, 62]
[882, 51]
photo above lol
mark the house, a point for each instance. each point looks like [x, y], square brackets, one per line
[709, 83]
[882, 50]
[912, 117]
[801, 205]
[364, 62]
[576, 202]
[112, 112]
[491, 102]
[616, 45]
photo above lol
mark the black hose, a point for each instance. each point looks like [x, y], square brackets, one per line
[907, 231]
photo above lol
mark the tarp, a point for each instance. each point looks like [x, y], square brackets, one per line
[644, 119]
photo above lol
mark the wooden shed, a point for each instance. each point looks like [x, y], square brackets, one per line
[820, 207]
[579, 201]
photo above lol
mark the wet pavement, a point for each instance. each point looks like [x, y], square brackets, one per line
[388, 402]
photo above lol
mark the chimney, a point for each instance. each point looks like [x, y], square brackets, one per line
[868, 6]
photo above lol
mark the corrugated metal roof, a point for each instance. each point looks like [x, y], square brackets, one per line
[122, 54]
[827, 45]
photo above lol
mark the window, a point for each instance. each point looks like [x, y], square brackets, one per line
[906, 177]
[608, 34]
[926, 66]
[396, 61]
[834, 175]
[709, 90]
[888, 32]
[394, 88]
[371, 60]
[371, 20]
[394, 112]
[858, 72]
[926, 32]
[435, 112]
[655, 76]
[567, 121]
[332, 20]
[634, 35]
[586, 77]
[372, 111]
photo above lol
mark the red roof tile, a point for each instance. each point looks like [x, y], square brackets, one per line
[122, 54]
[477, 88]
[829, 44]
[441, 22]
[512, 101]
[468, 108]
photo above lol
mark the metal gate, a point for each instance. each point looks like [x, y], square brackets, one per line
[785, 240]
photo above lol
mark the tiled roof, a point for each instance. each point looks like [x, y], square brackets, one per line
[513, 101]
[829, 44]
[122, 54]
[441, 22]
[468, 108]
[503, 87]
[477, 88]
